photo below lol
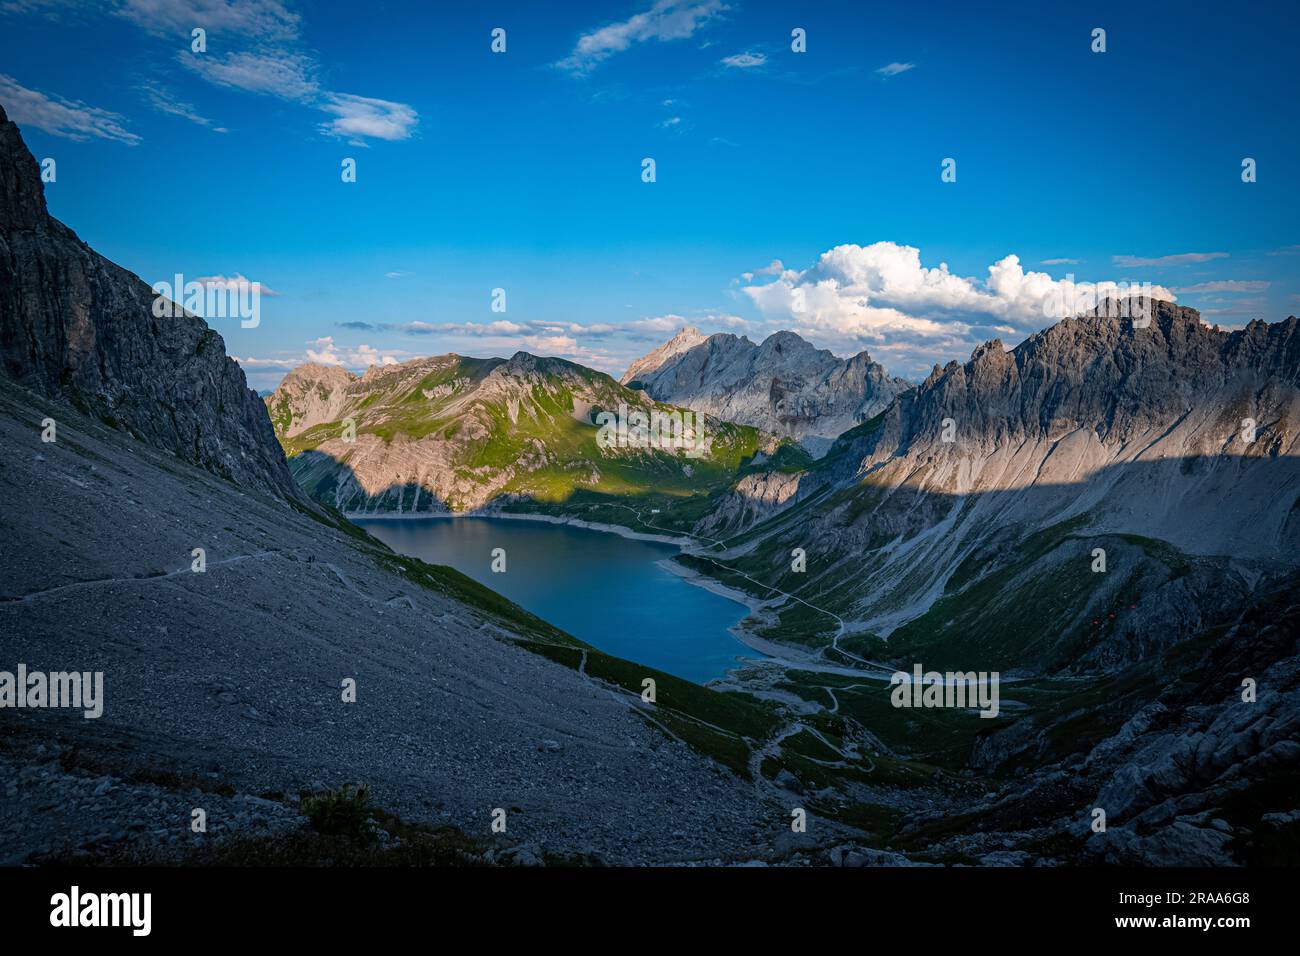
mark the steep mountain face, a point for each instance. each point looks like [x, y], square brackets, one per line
[643, 368]
[76, 327]
[455, 433]
[785, 386]
[961, 522]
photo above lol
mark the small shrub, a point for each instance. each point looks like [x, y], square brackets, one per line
[342, 812]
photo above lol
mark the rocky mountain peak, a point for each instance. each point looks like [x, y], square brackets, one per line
[79, 329]
[686, 338]
[785, 385]
[313, 372]
[1102, 375]
[22, 197]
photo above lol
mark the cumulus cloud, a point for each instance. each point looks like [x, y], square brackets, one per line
[665, 20]
[882, 297]
[59, 117]
[325, 351]
[773, 268]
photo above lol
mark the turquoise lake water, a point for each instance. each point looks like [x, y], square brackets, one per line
[602, 588]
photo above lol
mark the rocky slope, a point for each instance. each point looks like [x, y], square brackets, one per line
[785, 385]
[222, 688]
[74, 326]
[456, 433]
[964, 528]
[1089, 434]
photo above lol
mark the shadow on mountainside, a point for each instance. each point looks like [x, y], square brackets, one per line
[991, 579]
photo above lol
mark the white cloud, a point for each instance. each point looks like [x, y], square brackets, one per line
[893, 69]
[661, 326]
[324, 351]
[665, 20]
[500, 327]
[1059, 262]
[1180, 259]
[59, 117]
[882, 296]
[773, 268]
[363, 116]
[744, 61]
[271, 62]
[237, 280]
[252, 362]
[671, 122]
[551, 344]
[263, 19]
[278, 73]
[1226, 285]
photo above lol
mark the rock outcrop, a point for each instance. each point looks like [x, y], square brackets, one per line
[784, 386]
[76, 327]
[645, 367]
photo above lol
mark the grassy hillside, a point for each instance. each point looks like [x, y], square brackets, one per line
[451, 433]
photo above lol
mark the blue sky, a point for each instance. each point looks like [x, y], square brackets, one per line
[793, 190]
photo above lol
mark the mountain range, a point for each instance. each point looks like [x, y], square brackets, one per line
[1106, 515]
